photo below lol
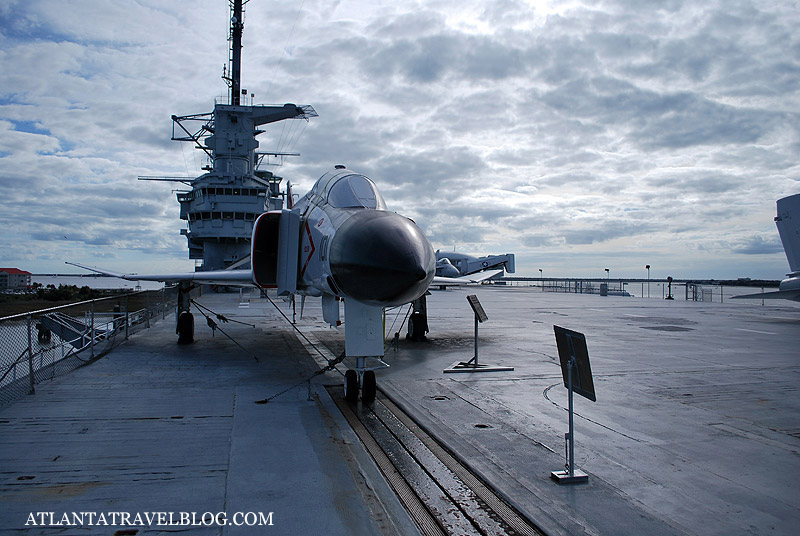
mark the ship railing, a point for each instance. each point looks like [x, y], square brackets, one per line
[708, 292]
[41, 345]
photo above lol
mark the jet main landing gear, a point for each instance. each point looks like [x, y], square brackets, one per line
[185, 328]
[184, 325]
[418, 321]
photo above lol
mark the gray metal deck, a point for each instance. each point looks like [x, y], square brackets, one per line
[695, 430]
[157, 427]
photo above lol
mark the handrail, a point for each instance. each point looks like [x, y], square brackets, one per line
[56, 308]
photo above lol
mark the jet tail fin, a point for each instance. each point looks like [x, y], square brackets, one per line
[788, 223]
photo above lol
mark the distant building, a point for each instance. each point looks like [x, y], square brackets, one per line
[14, 278]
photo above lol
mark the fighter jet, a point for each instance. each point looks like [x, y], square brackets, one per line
[788, 223]
[338, 242]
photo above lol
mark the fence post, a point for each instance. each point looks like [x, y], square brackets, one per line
[91, 332]
[147, 309]
[30, 355]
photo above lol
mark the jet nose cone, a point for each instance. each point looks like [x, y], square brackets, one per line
[381, 258]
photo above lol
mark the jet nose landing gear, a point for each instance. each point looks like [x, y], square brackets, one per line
[364, 344]
[365, 380]
[351, 385]
[369, 387]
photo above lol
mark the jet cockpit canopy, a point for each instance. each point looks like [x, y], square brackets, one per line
[355, 191]
[345, 189]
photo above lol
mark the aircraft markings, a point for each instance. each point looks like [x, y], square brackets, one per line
[310, 253]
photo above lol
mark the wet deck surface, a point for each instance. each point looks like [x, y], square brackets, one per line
[157, 427]
[695, 429]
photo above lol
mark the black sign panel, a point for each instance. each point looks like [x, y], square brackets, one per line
[573, 344]
[477, 307]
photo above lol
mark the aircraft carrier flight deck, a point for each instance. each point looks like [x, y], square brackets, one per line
[695, 429]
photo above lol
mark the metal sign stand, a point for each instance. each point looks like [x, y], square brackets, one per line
[570, 475]
[472, 365]
[578, 378]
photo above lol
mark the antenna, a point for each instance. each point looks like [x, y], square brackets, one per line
[235, 38]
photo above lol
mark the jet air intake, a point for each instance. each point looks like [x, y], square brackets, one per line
[381, 258]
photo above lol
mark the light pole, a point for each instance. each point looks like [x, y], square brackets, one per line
[541, 276]
[648, 280]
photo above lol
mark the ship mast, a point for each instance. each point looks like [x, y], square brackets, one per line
[235, 38]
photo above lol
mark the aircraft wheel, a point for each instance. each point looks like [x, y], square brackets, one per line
[44, 334]
[369, 388]
[351, 385]
[185, 328]
[416, 327]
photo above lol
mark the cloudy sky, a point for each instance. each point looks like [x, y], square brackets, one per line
[578, 135]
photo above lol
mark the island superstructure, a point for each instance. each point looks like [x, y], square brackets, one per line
[223, 204]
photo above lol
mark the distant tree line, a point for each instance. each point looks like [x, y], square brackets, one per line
[68, 292]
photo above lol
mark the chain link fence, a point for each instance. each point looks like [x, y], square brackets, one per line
[40, 345]
[656, 289]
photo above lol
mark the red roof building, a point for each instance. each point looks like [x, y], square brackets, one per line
[14, 278]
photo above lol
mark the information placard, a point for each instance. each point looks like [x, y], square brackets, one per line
[477, 308]
[573, 344]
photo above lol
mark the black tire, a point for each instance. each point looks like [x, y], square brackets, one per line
[369, 387]
[417, 327]
[351, 385]
[185, 328]
[44, 335]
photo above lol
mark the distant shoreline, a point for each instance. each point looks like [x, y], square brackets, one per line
[94, 280]
[70, 275]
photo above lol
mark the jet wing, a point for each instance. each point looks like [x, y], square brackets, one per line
[464, 280]
[778, 294]
[215, 277]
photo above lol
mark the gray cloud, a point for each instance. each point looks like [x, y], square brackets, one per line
[757, 245]
[559, 132]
